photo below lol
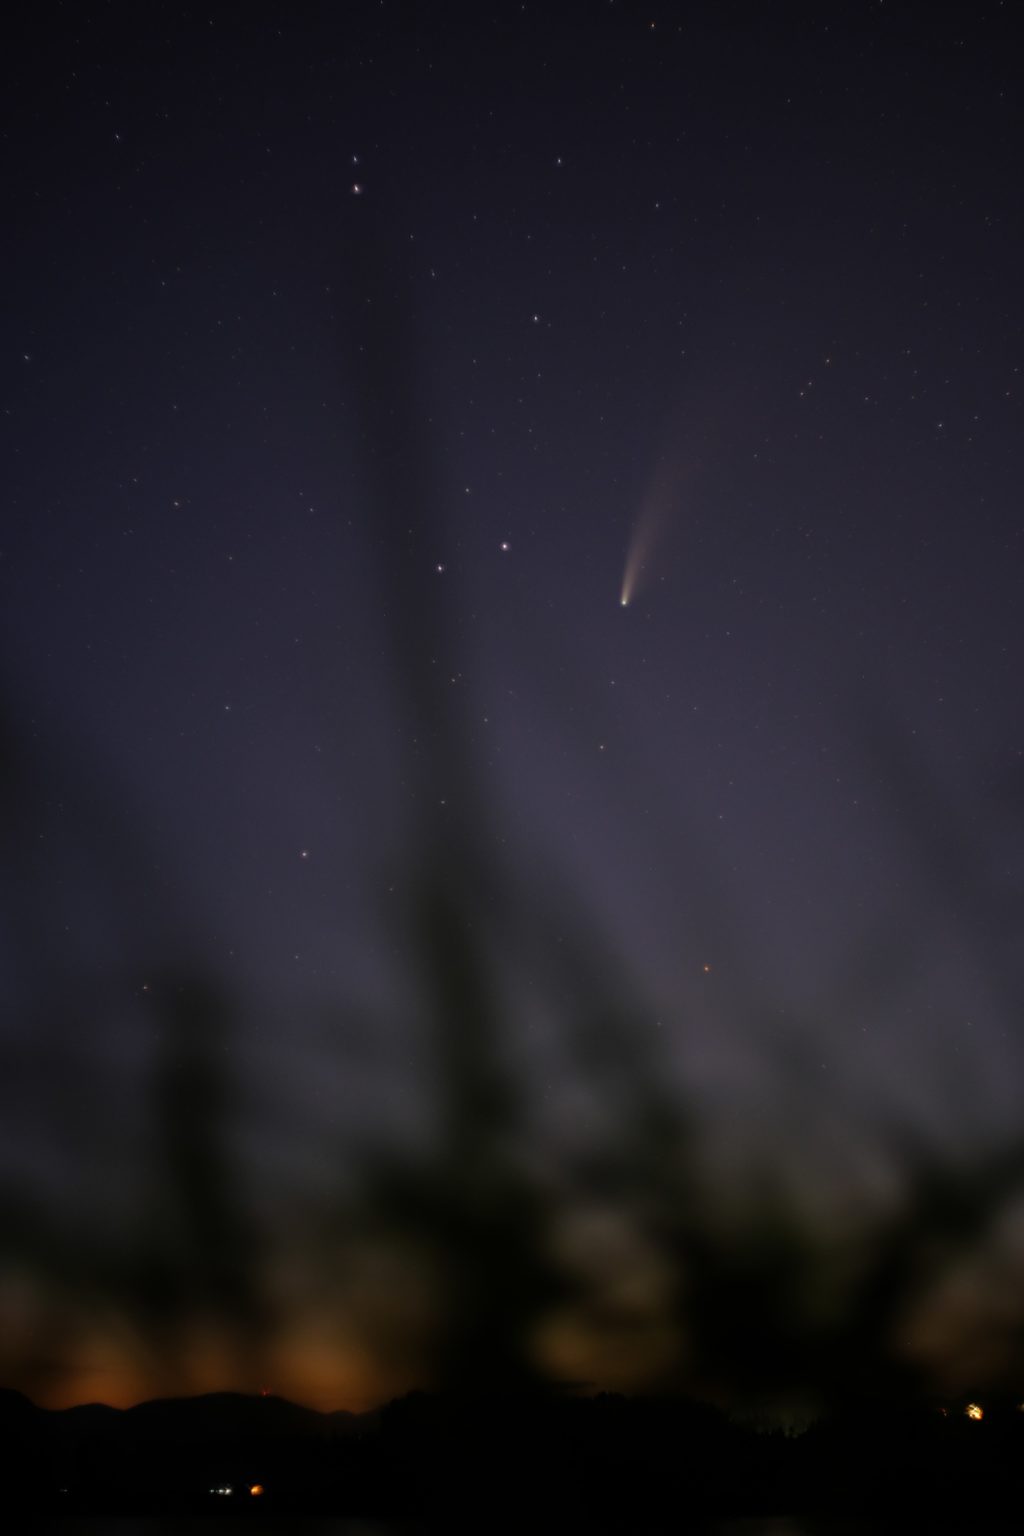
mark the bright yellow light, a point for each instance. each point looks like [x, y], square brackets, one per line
[974, 1411]
[256, 1490]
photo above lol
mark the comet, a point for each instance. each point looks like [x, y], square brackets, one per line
[646, 536]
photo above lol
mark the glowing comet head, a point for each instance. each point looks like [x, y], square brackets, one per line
[629, 582]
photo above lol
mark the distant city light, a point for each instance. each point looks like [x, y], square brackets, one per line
[974, 1411]
[256, 1490]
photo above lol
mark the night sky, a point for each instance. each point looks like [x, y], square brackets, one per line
[419, 961]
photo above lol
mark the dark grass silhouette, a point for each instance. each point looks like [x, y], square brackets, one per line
[756, 1307]
[187, 1250]
[764, 1310]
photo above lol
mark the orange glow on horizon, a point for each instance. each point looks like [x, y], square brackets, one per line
[308, 1364]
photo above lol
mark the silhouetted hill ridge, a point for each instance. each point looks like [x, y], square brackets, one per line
[15, 1405]
[211, 1415]
[436, 1453]
[227, 1414]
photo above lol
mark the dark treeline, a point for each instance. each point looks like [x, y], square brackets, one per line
[606, 1456]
